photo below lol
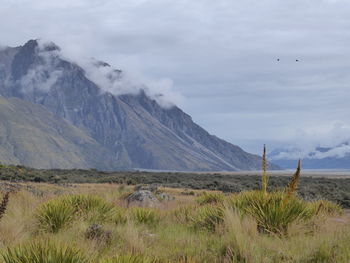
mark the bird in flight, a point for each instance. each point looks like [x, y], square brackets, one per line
[278, 59]
[297, 60]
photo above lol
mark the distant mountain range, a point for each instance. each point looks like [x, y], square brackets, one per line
[55, 115]
[337, 157]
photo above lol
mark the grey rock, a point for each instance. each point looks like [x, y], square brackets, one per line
[143, 198]
[135, 129]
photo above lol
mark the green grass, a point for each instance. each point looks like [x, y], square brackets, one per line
[211, 198]
[147, 216]
[43, 252]
[208, 217]
[54, 215]
[274, 212]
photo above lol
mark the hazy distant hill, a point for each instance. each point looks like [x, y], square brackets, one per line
[337, 157]
[134, 129]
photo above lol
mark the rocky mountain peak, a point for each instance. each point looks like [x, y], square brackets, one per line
[136, 130]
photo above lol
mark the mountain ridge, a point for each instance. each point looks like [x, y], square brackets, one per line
[133, 127]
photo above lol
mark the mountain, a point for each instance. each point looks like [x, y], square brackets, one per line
[134, 129]
[32, 136]
[337, 157]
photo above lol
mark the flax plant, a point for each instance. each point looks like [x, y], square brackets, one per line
[265, 178]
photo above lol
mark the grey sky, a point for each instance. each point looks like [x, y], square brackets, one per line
[221, 56]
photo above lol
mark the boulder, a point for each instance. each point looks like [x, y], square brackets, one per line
[144, 198]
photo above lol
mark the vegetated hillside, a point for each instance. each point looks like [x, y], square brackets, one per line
[134, 128]
[336, 190]
[33, 136]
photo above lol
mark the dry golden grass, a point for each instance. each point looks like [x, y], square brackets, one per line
[174, 237]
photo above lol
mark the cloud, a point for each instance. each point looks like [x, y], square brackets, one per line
[120, 82]
[314, 144]
[47, 72]
[221, 55]
[44, 75]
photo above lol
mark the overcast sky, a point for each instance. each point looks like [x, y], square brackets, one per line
[221, 56]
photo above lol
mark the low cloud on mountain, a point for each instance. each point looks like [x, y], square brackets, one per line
[221, 55]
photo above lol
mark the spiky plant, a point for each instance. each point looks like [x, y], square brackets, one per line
[274, 212]
[4, 204]
[54, 215]
[93, 208]
[43, 252]
[265, 178]
[293, 183]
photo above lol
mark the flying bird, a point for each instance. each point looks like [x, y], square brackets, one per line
[297, 60]
[278, 59]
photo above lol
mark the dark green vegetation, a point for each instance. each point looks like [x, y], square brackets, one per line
[336, 190]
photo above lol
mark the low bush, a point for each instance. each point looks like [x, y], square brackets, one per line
[43, 252]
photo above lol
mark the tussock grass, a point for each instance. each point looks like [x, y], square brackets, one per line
[54, 215]
[130, 258]
[208, 217]
[43, 252]
[324, 207]
[142, 215]
[211, 198]
[233, 229]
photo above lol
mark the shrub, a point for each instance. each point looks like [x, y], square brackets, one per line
[129, 258]
[54, 215]
[43, 252]
[208, 217]
[143, 215]
[4, 203]
[96, 231]
[211, 198]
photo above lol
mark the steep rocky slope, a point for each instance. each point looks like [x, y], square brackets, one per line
[133, 127]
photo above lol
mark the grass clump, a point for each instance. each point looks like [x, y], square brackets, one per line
[325, 207]
[211, 198]
[54, 215]
[208, 217]
[147, 216]
[274, 212]
[94, 209]
[129, 258]
[43, 252]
